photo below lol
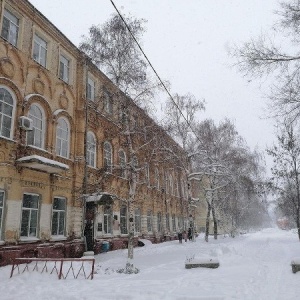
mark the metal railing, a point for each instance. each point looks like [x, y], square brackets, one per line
[63, 267]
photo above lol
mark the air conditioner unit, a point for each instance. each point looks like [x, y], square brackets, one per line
[26, 123]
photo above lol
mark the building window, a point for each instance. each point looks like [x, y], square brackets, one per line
[58, 216]
[108, 103]
[176, 188]
[40, 50]
[90, 91]
[107, 148]
[30, 212]
[6, 113]
[123, 219]
[62, 138]
[36, 136]
[10, 27]
[173, 223]
[156, 178]
[159, 222]
[107, 220]
[137, 220]
[1, 211]
[167, 222]
[149, 220]
[91, 150]
[122, 161]
[64, 68]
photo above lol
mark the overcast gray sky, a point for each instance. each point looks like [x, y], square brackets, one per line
[186, 43]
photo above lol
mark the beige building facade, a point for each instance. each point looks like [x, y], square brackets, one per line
[65, 176]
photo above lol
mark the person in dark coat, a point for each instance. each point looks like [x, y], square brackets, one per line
[180, 237]
[190, 234]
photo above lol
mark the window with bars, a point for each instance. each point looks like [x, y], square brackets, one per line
[58, 216]
[30, 213]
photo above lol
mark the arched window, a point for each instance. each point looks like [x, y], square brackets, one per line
[7, 107]
[107, 148]
[91, 149]
[36, 136]
[62, 138]
[122, 162]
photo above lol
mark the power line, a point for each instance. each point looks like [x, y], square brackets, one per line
[162, 83]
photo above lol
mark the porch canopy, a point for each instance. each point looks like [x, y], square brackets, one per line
[43, 164]
[101, 198]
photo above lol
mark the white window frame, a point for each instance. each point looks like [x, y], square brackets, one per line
[2, 202]
[40, 50]
[168, 221]
[107, 156]
[62, 138]
[37, 141]
[31, 210]
[171, 185]
[90, 89]
[61, 228]
[13, 27]
[91, 152]
[64, 68]
[4, 114]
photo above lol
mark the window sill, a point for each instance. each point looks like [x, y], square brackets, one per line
[29, 239]
[58, 238]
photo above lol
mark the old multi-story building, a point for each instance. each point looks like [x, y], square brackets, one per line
[73, 149]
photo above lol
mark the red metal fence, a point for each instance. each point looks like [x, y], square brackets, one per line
[63, 267]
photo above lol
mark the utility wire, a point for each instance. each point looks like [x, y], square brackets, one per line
[162, 83]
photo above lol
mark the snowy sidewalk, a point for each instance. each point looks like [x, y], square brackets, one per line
[252, 267]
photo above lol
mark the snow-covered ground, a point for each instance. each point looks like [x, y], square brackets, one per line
[254, 266]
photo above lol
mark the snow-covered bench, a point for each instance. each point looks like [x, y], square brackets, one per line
[212, 263]
[295, 264]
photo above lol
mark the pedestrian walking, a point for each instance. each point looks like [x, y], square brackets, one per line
[180, 237]
[190, 234]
